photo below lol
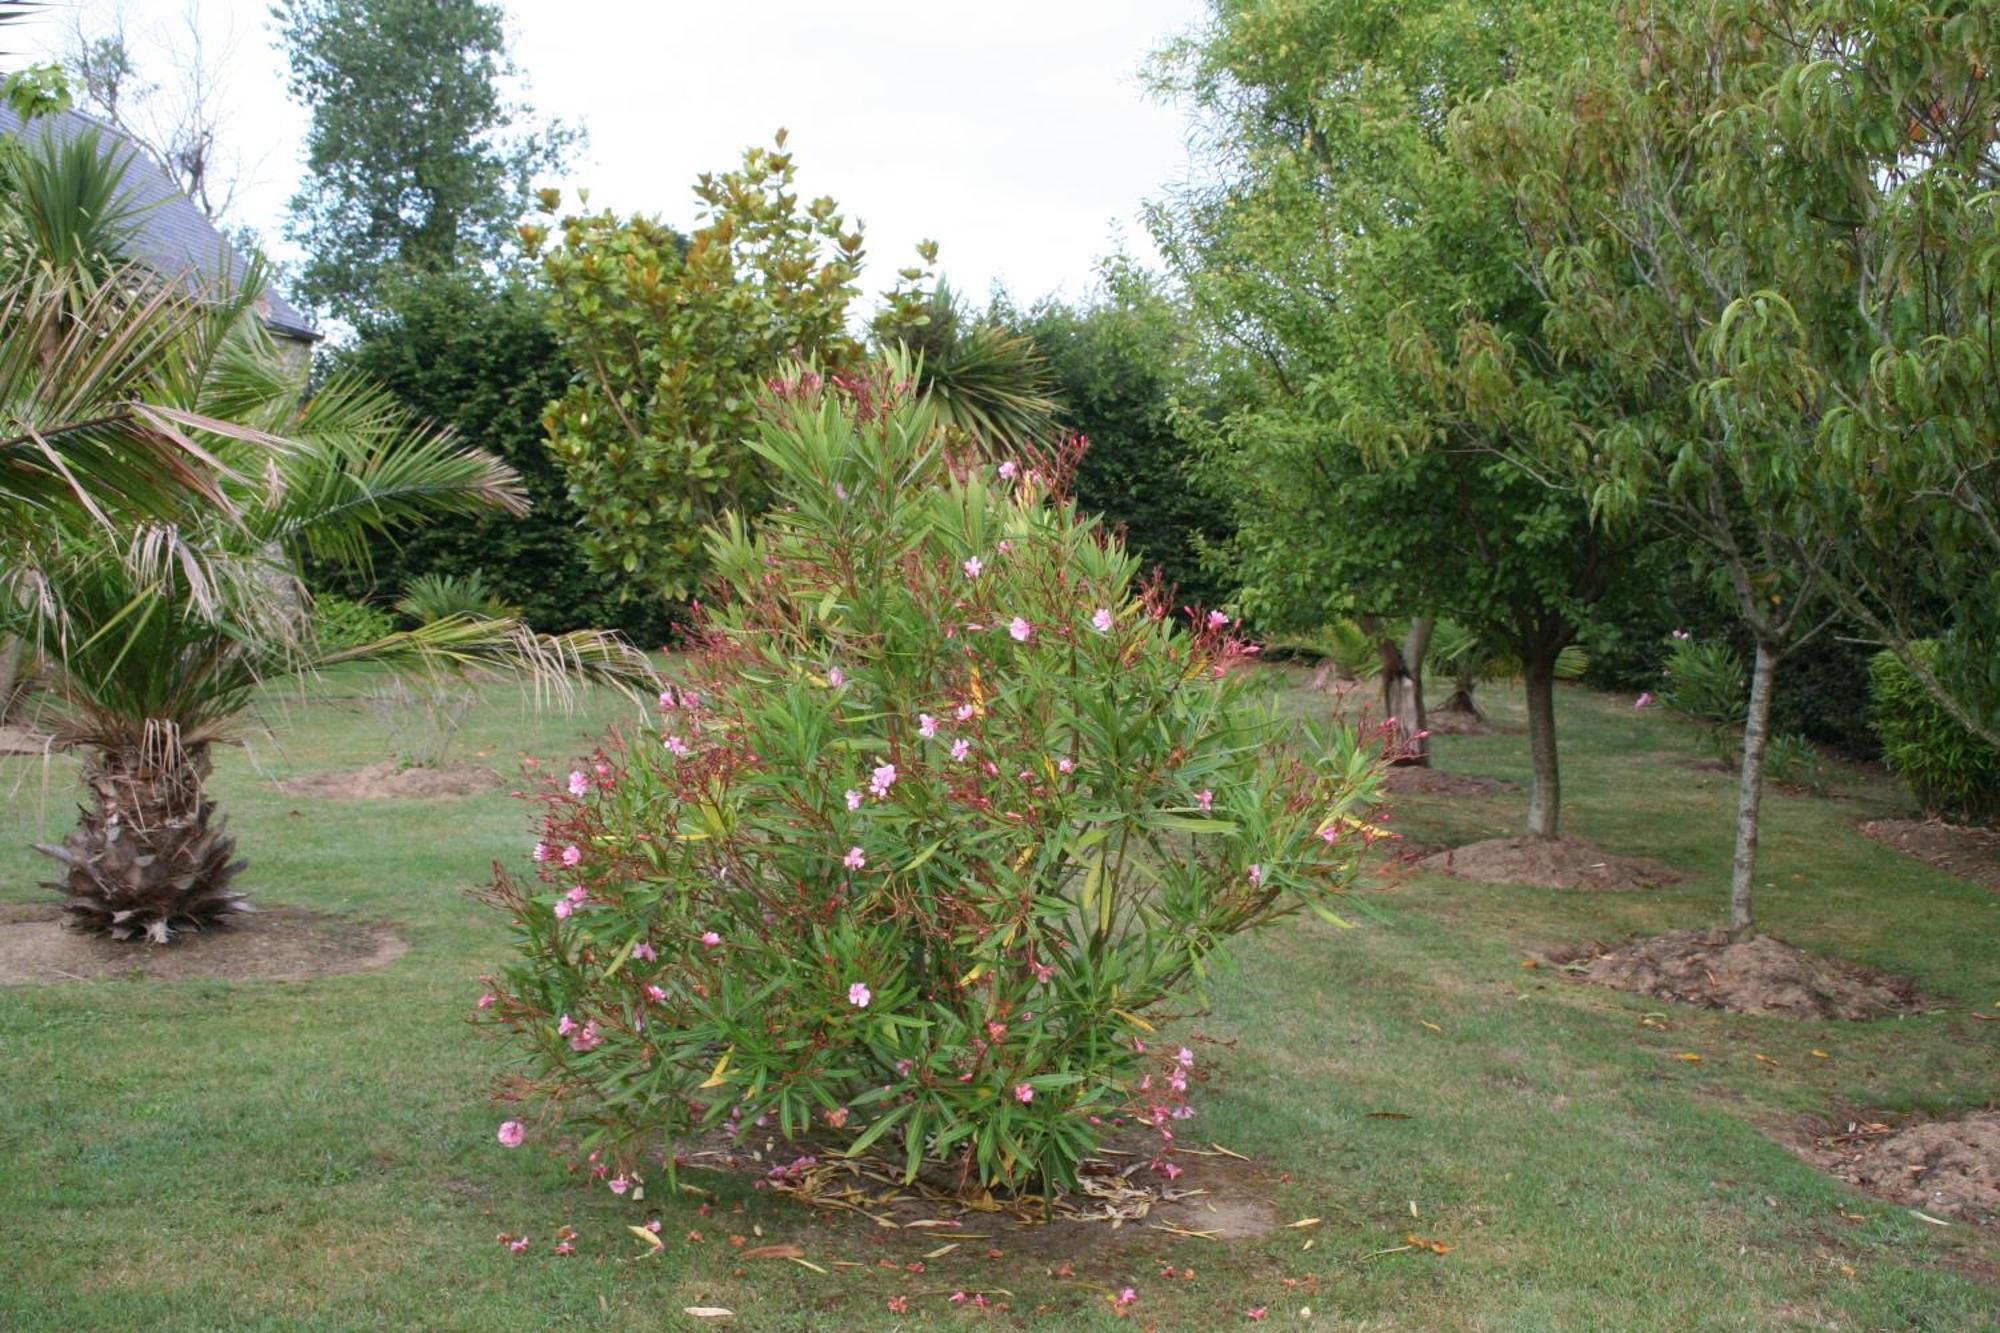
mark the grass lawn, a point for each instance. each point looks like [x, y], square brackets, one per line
[320, 1154]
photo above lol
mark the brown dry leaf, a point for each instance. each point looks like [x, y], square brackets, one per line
[807, 1263]
[1767, 1060]
[708, 1312]
[1847, 1270]
[1689, 1056]
[1227, 1153]
[1302, 1223]
[1432, 1026]
[1529, 963]
[646, 1235]
[773, 1252]
[941, 1251]
[1426, 1243]
[1820, 1055]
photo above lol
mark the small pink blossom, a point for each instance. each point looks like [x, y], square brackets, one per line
[853, 799]
[563, 908]
[1184, 1058]
[1256, 875]
[1205, 799]
[565, 1025]
[1125, 1298]
[710, 938]
[839, 491]
[579, 785]
[519, 1245]
[1065, 765]
[485, 1001]
[1216, 620]
[1101, 620]
[964, 713]
[564, 1247]
[541, 852]
[618, 1184]
[1023, 1093]
[588, 1039]
[973, 567]
[1255, 1313]
[578, 895]
[1042, 971]
[677, 747]
[1008, 469]
[881, 779]
[859, 995]
[570, 855]
[645, 951]
[1645, 700]
[512, 1133]
[855, 858]
[926, 725]
[1020, 629]
[655, 994]
[961, 748]
[1682, 635]
[835, 678]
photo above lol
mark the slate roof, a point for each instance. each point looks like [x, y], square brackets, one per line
[172, 236]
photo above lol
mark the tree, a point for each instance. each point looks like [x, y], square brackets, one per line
[1128, 364]
[412, 156]
[1681, 251]
[674, 337]
[1334, 237]
[475, 353]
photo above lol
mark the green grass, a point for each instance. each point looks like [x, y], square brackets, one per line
[320, 1154]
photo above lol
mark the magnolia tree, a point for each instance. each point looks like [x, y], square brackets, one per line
[944, 812]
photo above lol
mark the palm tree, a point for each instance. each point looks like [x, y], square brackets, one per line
[986, 379]
[159, 617]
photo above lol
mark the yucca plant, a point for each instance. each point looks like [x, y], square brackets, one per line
[983, 378]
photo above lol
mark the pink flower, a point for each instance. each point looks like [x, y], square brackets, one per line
[1255, 1312]
[1329, 835]
[1205, 799]
[1101, 620]
[645, 951]
[588, 1039]
[570, 855]
[710, 938]
[666, 700]
[618, 1184]
[1042, 971]
[973, 567]
[485, 1002]
[1643, 701]
[855, 859]
[1184, 1058]
[881, 779]
[579, 785]
[541, 852]
[565, 1025]
[926, 725]
[578, 895]
[1065, 765]
[677, 747]
[563, 908]
[859, 995]
[1216, 620]
[655, 994]
[564, 1247]
[1682, 635]
[836, 678]
[964, 713]
[1125, 1298]
[960, 748]
[512, 1133]
[519, 1245]
[853, 799]
[839, 491]
[1023, 1093]
[1008, 469]
[1020, 629]
[1256, 875]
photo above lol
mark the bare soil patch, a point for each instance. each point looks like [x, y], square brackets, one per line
[1550, 863]
[1971, 853]
[275, 943]
[1119, 1198]
[1760, 976]
[1429, 781]
[1457, 722]
[1947, 1168]
[23, 740]
[385, 781]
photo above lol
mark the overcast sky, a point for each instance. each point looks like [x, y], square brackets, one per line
[1017, 134]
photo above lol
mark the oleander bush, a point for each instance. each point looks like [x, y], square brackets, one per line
[944, 814]
[1950, 770]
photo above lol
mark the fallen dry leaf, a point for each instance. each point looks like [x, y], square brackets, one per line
[1426, 1243]
[1689, 1056]
[1432, 1026]
[643, 1234]
[1765, 1059]
[1303, 1223]
[1820, 1055]
[708, 1312]
[773, 1252]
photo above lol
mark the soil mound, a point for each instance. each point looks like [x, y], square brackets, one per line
[275, 943]
[1550, 863]
[385, 781]
[1437, 782]
[1972, 853]
[1760, 976]
[1457, 722]
[1947, 1168]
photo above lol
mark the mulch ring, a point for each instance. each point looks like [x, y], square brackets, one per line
[274, 943]
[1430, 781]
[1759, 976]
[387, 781]
[1457, 722]
[1944, 1168]
[1218, 1196]
[1549, 863]
[1970, 853]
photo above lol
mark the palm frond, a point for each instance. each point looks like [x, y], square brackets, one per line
[552, 664]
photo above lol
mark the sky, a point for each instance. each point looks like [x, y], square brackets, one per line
[1018, 135]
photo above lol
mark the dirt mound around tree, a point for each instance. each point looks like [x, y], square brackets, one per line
[1550, 863]
[276, 943]
[1436, 782]
[1457, 722]
[1947, 1168]
[1759, 976]
[385, 781]
[1971, 853]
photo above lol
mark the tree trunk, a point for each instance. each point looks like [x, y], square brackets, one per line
[1538, 673]
[1750, 793]
[1403, 687]
[147, 856]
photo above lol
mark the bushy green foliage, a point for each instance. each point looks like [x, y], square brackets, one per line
[340, 622]
[1949, 769]
[1126, 364]
[1704, 678]
[946, 808]
[1794, 762]
[429, 598]
[674, 337]
[477, 355]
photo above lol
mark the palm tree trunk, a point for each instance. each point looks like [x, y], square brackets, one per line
[147, 856]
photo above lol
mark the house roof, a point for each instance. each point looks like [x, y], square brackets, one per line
[171, 235]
